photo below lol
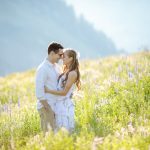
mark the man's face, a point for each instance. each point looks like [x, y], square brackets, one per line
[58, 55]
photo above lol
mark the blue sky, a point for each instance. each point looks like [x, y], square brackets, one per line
[127, 22]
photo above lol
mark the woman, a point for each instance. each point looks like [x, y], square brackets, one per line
[64, 111]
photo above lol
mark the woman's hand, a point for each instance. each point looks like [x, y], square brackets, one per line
[46, 89]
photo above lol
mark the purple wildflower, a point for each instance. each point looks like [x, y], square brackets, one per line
[130, 75]
[19, 102]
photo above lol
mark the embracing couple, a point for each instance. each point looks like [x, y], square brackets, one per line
[54, 88]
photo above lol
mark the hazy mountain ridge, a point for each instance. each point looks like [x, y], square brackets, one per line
[27, 27]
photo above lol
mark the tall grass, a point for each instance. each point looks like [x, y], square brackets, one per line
[112, 110]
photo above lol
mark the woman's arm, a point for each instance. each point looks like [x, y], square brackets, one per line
[71, 79]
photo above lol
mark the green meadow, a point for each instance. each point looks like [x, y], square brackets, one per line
[112, 110]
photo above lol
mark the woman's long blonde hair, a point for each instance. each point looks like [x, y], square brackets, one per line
[74, 66]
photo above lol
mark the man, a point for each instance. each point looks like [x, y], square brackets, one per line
[47, 75]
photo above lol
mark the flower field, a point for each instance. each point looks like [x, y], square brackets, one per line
[112, 110]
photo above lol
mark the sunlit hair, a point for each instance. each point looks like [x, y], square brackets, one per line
[74, 66]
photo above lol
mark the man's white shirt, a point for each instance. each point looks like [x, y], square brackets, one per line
[47, 75]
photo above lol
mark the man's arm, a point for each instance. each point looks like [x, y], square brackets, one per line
[71, 79]
[40, 82]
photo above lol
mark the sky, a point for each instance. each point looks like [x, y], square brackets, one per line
[127, 22]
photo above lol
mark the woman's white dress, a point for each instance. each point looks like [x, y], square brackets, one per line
[64, 108]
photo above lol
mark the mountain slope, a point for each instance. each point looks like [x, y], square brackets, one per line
[27, 27]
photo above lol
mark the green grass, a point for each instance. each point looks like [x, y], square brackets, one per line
[112, 110]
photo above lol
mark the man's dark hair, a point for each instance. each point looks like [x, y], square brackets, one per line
[54, 47]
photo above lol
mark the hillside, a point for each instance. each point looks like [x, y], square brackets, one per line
[111, 110]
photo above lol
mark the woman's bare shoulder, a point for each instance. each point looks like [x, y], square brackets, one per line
[72, 73]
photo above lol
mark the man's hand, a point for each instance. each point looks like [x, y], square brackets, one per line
[45, 104]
